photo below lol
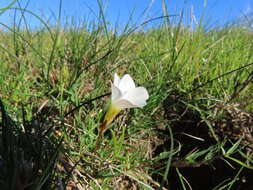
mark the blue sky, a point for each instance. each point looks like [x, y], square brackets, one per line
[216, 12]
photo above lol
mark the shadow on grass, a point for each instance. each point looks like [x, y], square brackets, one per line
[200, 161]
[28, 152]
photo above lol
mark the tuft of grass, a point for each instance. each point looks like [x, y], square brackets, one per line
[29, 152]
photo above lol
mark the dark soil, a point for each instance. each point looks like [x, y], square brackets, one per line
[202, 175]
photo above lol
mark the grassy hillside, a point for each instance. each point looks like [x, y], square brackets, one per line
[194, 133]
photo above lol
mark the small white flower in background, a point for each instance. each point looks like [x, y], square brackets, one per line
[125, 95]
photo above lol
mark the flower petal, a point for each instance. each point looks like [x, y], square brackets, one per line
[126, 83]
[123, 104]
[134, 98]
[116, 80]
[116, 94]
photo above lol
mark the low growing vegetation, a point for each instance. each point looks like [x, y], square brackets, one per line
[194, 133]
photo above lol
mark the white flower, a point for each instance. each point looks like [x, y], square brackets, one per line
[125, 95]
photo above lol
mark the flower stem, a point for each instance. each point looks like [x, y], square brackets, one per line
[100, 137]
